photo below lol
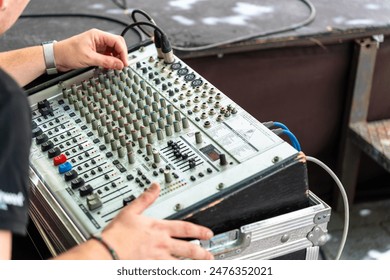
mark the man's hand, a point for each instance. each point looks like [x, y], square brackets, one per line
[91, 48]
[135, 236]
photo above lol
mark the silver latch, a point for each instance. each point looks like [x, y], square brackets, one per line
[317, 236]
[227, 244]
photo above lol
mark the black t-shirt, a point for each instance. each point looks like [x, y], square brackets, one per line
[15, 142]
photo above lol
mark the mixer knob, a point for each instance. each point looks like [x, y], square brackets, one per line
[160, 135]
[115, 132]
[109, 127]
[222, 160]
[70, 175]
[131, 157]
[114, 144]
[85, 190]
[167, 176]
[107, 137]
[185, 122]
[128, 200]
[41, 139]
[94, 201]
[136, 124]
[134, 135]
[149, 137]
[77, 183]
[149, 149]
[143, 131]
[168, 130]
[141, 142]
[43, 104]
[47, 146]
[54, 152]
[121, 152]
[198, 137]
[176, 126]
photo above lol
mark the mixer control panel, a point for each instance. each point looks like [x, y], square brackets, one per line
[102, 137]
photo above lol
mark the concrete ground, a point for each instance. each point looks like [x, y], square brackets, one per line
[368, 236]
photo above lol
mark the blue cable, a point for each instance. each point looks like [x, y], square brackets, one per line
[280, 125]
[293, 139]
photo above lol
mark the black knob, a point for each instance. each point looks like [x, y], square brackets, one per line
[46, 111]
[77, 183]
[41, 139]
[36, 132]
[47, 146]
[222, 159]
[127, 200]
[43, 104]
[86, 190]
[191, 163]
[54, 152]
[70, 175]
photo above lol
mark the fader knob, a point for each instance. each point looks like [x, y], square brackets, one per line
[86, 190]
[70, 175]
[36, 132]
[41, 139]
[77, 183]
[47, 146]
[54, 152]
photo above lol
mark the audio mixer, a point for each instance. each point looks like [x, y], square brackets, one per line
[102, 136]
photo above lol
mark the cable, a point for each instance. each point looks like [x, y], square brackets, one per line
[293, 139]
[345, 201]
[280, 125]
[145, 14]
[281, 128]
[82, 15]
[309, 19]
[138, 23]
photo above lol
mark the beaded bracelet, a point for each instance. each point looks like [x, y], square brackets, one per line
[113, 254]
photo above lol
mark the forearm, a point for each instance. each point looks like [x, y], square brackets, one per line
[24, 65]
[5, 244]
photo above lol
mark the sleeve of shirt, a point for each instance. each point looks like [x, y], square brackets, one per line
[15, 142]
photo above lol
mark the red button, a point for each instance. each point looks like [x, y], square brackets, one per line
[59, 159]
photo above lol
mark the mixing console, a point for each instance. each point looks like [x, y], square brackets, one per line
[101, 138]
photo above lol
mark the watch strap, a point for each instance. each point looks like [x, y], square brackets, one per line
[48, 53]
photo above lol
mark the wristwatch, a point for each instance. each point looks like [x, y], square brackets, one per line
[48, 53]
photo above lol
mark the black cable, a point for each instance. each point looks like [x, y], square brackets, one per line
[138, 23]
[145, 14]
[82, 15]
[309, 19]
